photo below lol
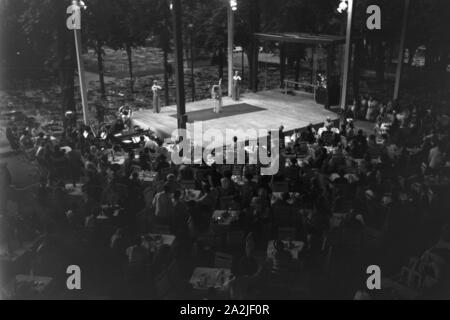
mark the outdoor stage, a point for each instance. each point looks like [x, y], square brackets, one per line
[262, 110]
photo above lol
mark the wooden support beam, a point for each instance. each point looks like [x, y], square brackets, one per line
[179, 68]
[398, 74]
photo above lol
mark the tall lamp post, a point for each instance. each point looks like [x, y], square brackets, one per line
[401, 50]
[74, 23]
[230, 9]
[346, 5]
[175, 7]
[191, 40]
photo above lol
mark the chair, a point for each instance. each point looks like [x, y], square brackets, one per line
[163, 289]
[223, 260]
[327, 137]
[225, 168]
[237, 170]
[280, 186]
[284, 215]
[332, 238]
[161, 229]
[136, 168]
[225, 202]
[121, 189]
[235, 239]
[188, 184]
[352, 240]
[286, 233]
[167, 171]
[202, 174]
[410, 278]
[373, 238]
[302, 150]
[174, 274]
[336, 219]
[208, 241]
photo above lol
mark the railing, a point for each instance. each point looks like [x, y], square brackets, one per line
[295, 83]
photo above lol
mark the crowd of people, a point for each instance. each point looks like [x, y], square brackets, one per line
[348, 195]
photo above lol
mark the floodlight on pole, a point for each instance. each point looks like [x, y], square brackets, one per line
[233, 5]
[74, 23]
[348, 5]
[230, 13]
[83, 5]
[342, 6]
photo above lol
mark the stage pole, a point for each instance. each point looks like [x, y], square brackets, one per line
[401, 51]
[191, 28]
[81, 75]
[348, 42]
[74, 23]
[230, 48]
[179, 69]
[315, 66]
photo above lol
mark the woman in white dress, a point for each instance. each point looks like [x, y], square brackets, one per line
[126, 112]
[216, 94]
[156, 88]
[236, 86]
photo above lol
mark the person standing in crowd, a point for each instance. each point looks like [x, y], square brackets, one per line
[236, 86]
[126, 112]
[436, 157]
[216, 93]
[372, 109]
[162, 203]
[100, 110]
[5, 185]
[180, 216]
[156, 89]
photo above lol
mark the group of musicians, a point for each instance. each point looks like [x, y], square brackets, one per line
[126, 112]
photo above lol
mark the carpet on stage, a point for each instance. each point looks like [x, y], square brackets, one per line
[227, 111]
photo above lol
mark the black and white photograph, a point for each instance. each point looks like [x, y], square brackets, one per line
[228, 155]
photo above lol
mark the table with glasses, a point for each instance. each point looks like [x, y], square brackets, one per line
[109, 212]
[294, 248]
[154, 242]
[17, 252]
[191, 195]
[225, 217]
[279, 196]
[207, 278]
[27, 287]
[75, 190]
[118, 158]
[147, 176]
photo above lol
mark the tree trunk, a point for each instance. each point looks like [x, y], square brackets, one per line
[66, 61]
[380, 62]
[252, 50]
[411, 56]
[130, 69]
[166, 77]
[248, 52]
[67, 84]
[101, 75]
[297, 69]
[220, 63]
[282, 64]
[357, 69]
[66, 69]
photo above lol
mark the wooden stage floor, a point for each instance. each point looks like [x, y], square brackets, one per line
[293, 112]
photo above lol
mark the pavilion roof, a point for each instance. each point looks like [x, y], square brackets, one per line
[295, 37]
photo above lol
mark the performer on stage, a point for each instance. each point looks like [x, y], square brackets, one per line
[216, 93]
[236, 86]
[125, 113]
[156, 97]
